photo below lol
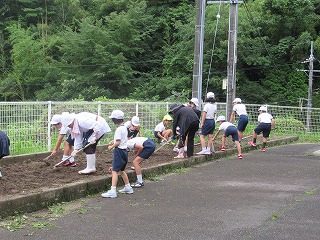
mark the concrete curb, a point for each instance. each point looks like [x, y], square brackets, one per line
[47, 197]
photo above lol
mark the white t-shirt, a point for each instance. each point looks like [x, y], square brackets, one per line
[121, 135]
[137, 140]
[210, 109]
[223, 126]
[85, 121]
[160, 127]
[64, 130]
[265, 118]
[240, 109]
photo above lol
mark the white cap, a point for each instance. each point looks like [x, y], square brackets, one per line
[210, 95]
[195, 101]
[117, 114]
[67, 118]
[135, 121]
[263, 108]
[237, 100]
[221, 118]
[56, 119]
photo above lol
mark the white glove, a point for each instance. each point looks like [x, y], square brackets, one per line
[74, 153]
[93, 140]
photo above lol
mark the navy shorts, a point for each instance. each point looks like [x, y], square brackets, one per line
[233, 131]
[208, 127]
[242, 123]
[148, 148]
[156, 134]
[265, 128]
[70, 140]
[120, 159]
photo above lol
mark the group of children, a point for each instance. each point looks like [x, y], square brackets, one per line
[86, 129]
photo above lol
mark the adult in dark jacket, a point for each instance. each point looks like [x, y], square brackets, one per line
[4, 146]
[187, 120]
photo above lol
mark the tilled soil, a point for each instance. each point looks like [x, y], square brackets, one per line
[32, 175]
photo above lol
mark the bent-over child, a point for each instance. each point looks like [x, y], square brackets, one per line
[142, 148]
[241, 110]
[229, 129]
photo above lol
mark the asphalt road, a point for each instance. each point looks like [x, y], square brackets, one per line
[271, 195]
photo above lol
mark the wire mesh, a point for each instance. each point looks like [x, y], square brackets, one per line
[27, 123]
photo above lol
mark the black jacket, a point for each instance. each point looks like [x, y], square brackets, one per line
[4, 145]
[183, 116]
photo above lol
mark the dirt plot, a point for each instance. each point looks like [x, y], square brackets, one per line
[32, 175]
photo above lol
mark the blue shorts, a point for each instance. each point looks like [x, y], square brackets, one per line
[70, 140]
[242, 123]
[156, 134]
[148, 148]
[208, 127]
[232, 130]
[265, 128]
[120, 159]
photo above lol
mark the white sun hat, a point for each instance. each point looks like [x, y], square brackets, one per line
[195, 101]
[221, 118]
[210, 95]
[117, 114]
[135, 121]
[237, 100]
[56, 119]
[67, 118]
[263, 108]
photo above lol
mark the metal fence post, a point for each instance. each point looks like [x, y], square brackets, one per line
[49, 125]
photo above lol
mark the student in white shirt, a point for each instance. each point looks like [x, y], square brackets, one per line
[86, 128]
[229, 129]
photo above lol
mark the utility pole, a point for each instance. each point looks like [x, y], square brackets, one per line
[198, 51]
[232, 53]
[309, 106]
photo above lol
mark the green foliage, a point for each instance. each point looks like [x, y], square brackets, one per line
[143, 49]
[288, 124]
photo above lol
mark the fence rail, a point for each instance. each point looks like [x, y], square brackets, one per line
[27, 123]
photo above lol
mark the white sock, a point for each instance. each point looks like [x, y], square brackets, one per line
[139, 177]
[209, 149]
[127, 185]
[204, 148]
[113, 189]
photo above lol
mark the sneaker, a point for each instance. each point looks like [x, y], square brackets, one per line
[73, 164]
[109, 194]
[127, 190]
[240, 156]
[66, 163]
[252, 144]
[205, 151]
[223, 148]
[263, 149]
[137, 185]
[175, 149]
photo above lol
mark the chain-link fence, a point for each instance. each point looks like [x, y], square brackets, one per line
[27, 123]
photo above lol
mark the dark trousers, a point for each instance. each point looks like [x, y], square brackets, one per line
[191, 132]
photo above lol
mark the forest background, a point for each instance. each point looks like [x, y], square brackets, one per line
[62, 50]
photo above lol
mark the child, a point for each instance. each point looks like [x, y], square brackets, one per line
[207, 123]
[229, 129]
[85, 128]
[120, 156]
[240, 109]
[161, 132]
[265, 125]
[133, 127]
[143, 148]
[68, 143]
